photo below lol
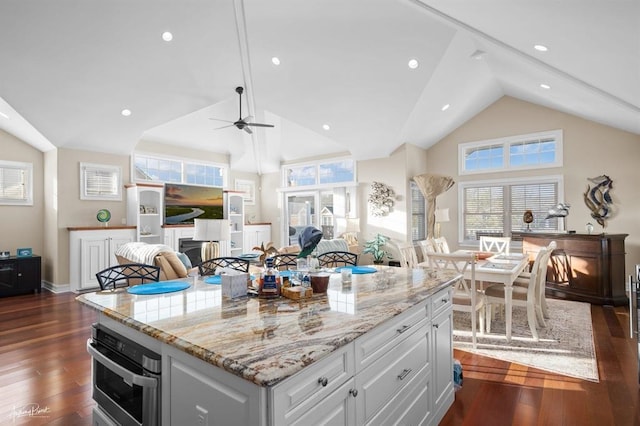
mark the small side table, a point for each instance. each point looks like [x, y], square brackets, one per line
[20, 275]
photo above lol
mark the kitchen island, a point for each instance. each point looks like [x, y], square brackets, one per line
[378, 350]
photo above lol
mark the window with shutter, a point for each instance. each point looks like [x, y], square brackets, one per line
[100, 182]
[16, 187]
[418, 214]
[496, 208]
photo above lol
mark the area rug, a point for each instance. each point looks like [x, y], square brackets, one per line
[565, 345]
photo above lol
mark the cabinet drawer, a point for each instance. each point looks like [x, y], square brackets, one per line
[387, 377]
[378, 341]
[301, 392]
[441, 301]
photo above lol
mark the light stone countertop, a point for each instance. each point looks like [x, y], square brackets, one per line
[266, 341]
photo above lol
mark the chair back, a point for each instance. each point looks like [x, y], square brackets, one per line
[460, 263]
[542, 270]
[536, 278]
[285, 261]
[332, 259]
[495, 244]
[127, 274]
[426, 247]
[441, 245]
[210, 266]
[408, 258]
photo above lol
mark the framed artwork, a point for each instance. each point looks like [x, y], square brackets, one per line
[248, 187]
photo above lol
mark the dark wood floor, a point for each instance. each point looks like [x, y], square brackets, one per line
[44, 363]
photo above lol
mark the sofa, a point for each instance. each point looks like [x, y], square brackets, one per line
[168, 260]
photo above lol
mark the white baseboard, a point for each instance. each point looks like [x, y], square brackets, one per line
[56, 288]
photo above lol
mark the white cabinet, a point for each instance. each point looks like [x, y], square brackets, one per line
[442, 325]
[145, 211]
[91, 251]
[254, 235]
[234, 211]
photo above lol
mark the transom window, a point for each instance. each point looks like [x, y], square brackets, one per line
[531, 151]
[164, 169]
[319, 173]
[496, 207]
[16, 183]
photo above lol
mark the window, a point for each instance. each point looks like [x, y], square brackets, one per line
[418, 214]
[496, 207]
[531, 151]
[161, 169]
[319, 173]
[16, 183]
[100, 182]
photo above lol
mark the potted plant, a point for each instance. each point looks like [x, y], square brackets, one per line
[375, 247]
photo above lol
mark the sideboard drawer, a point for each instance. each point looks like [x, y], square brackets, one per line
[304, 390]
[372, 346]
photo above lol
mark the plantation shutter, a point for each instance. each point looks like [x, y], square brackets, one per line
[14, 183]
[418, 214]
[100, 182]
[538, 198]
[483, 211]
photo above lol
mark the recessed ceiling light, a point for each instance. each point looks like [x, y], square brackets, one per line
[326, 127]
[275, 60]
[126, 112]
[167, 36]
[545, 86]
[540, 48]
[413, 63]
[478, 55]
[3, 115]
[445, 107]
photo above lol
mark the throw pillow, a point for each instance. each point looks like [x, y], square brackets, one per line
[185, 260]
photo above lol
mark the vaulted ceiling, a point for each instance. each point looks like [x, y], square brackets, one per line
[68, 68]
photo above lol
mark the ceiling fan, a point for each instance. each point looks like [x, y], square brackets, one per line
[242, 123]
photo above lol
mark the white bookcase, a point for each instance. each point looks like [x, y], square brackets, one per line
[145, 211]
[234, 211]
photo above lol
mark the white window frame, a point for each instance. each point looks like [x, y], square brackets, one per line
[317, 164]
[184, 160]
[116, 172]
[506, 143]
[557, 179]
[27, 169]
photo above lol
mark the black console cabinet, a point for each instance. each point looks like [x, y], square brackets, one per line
[20, 275]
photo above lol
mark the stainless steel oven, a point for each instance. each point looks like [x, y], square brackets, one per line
[126, 380]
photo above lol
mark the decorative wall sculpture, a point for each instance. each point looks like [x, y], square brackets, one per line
[381, 199]
[598, 199]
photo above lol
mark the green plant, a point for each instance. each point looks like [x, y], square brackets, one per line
[375, 247]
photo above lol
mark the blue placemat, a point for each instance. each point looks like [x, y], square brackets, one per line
[217, 279]
[159, 287]
[249, 255]
[358, 269]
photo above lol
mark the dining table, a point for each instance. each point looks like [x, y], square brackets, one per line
[501, 268]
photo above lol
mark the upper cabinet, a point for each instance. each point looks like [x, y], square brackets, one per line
[234, 211]
[145, 211]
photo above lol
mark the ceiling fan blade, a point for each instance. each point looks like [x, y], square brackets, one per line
[223, 127]
[260, 125]
[247, 129]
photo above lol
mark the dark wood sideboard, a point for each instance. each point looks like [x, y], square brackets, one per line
[20, 275]
[584, 267]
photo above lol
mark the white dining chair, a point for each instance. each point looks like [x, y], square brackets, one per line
[523, 281]
[441, 245]
[427, 248]
[495, 244]
[521, 296]
[408, 258]
[466, 298]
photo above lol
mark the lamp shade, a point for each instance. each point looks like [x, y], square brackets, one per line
[442, 215]
[212, 230]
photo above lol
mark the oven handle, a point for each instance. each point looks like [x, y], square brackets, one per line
[127, 376]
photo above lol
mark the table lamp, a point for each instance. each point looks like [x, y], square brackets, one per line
[351, 226]
[442, 215]
[211, 232]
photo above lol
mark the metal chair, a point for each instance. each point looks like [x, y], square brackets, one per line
[120, 275]
[332, 259]
[285, 261]
[209, 267]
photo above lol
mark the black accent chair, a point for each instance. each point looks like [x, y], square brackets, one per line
[209, 267]
[121, 275]
[332, 259]
[285, 261]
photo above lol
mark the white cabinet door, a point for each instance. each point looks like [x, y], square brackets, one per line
[443, 362]
[94, 257]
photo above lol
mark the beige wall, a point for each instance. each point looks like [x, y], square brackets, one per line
[590, 149]
[23, 226]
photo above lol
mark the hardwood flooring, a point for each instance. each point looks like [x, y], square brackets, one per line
[44, 363]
